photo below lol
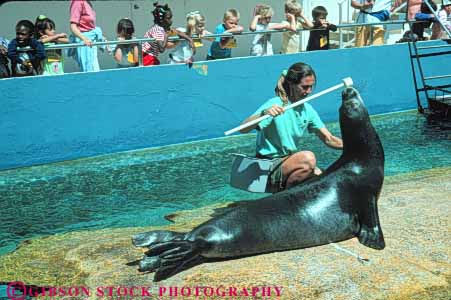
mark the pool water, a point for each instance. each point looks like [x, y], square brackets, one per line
[138, 188]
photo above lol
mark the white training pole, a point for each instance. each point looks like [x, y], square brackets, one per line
[346, 82]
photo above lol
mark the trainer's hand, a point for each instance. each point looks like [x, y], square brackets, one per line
[274, 110]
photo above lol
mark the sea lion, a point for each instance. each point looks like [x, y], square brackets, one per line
[338, 205]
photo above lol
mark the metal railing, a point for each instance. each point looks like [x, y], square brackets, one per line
[140, 41]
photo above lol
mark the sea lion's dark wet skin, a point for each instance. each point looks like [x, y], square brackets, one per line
[338, 205]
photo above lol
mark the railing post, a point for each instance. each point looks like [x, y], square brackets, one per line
[340, 20]
[140, 53]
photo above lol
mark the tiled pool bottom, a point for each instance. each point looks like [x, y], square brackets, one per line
[138, 188]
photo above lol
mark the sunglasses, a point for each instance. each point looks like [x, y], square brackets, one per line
[306, 87]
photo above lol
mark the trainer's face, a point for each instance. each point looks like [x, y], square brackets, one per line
[302, 89]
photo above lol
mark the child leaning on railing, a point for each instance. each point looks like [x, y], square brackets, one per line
[291, 39]
[126, 55]
[222, 46]
[261, 44]
[160, 31]
[53, 64]
[184, 51]
[27, 62]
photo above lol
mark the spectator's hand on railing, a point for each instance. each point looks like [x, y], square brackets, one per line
[107, 47]
[323, 23]
[190, 61]
[62, 38]
[204, 33]
[87, 42]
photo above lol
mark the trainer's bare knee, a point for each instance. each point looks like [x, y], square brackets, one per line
[305, 158]
[299, 167]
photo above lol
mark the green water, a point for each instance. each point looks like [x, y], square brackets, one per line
[138, 188]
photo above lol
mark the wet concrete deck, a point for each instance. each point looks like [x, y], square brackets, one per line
[415, 212]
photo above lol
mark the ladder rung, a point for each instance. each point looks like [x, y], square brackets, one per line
[436, 77]
[431, 54]
[433, 47]
[443, 97]
[428, 87]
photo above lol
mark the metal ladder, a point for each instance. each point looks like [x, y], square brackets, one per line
[438, 96]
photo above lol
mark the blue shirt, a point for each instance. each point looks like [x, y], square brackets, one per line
[281, 136]
[22, 61]
[215, 50]
[37, 50]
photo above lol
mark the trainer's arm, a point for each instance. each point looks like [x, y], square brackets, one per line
[273, 111]
[247, 129]
[329, 139]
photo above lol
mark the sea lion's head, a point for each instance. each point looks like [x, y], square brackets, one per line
[352, 108]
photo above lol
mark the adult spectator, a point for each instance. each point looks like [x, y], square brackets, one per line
[83, 26]
[371, 12]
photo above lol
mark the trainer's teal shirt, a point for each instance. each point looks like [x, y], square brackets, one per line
[281, 136]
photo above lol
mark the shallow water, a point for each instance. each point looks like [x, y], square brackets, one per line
[138, 188]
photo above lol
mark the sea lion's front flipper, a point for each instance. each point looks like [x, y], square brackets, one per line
[370, 233]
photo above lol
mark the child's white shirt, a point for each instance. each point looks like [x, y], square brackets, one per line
[261, 44]
[182, 52]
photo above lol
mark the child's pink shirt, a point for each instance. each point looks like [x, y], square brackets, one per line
[82, 14]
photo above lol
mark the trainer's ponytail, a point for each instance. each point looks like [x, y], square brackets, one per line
[280, 88]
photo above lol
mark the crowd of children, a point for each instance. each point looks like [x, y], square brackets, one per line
[35, 59]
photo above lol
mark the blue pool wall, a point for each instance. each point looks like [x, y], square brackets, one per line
[48, 119]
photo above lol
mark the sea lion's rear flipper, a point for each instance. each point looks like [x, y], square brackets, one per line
[181, 255]
[370, 233]
[169, 253]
